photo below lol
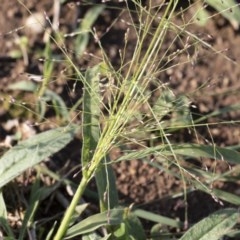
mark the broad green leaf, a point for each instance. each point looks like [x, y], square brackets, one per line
[202, 16]
[167, 103]
[164, 104]
[90, 224]
[228, 8]
[213, 227]
[32, 151]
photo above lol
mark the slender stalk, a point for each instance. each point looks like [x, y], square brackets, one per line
[115, 124]
[69, 212]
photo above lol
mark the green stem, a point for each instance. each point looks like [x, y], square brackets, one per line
[69, 212]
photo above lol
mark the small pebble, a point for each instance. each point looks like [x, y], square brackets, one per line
[36, 23]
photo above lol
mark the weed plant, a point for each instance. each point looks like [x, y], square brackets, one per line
[133, 112]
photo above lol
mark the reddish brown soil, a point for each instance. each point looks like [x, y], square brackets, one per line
[209, 79]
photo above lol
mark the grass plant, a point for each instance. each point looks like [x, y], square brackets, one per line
[130, 115]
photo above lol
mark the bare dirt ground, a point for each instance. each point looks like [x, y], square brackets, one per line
[210, 80]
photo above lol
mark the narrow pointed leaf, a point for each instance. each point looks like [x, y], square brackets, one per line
[82, 39]
[58, 104]
[111, 217]
[218, 153]
[104, 175]
[157, 218]
[31, 210]
[90, 116]
[188, 150]
[3, 218]
[219, 194]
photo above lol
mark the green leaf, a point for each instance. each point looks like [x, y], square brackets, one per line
[213, 227]
[38, 194]
[3, 218]
[188, 150]
[226, 196]
[58, 103]
[106, 184]
[32, 151]
[51, 231]
[78, 212]
[41, 108]
[197, 151]
[219, 112]
[131, 228]
[168, 103]
[47, 67]
[3, 209]
[104, 175]
[111, 217]
[228, 8]
[164, 104]
[82, 39]
[31, 210]
[106, 237]
[90, 116]
[202, 16]
[157, 218]
[24, 86]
